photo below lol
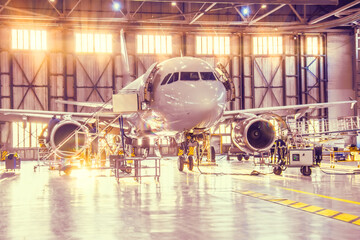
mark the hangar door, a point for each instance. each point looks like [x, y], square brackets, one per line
[283, 70]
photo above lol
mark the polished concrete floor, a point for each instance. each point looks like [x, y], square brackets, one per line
[182, 205]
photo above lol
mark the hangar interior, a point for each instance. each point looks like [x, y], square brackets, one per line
[76, 53]
[277, 53]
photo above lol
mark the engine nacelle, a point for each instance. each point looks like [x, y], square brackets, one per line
[253, 135]
[68, 138]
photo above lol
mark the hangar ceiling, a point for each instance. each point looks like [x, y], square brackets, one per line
[246, 16]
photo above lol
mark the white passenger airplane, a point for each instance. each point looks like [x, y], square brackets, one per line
[181, 97]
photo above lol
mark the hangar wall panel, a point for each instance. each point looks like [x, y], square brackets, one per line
[270, 71]
[94, 78]
[340, 51]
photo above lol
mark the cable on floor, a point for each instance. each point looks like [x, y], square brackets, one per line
[253, 173]
[340, 173]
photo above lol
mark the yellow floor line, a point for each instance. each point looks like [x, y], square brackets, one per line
[328, 213]
[357, 222]
[312, 209]
[299, 205]
[287, 202]
[344, 217]
[323, 196]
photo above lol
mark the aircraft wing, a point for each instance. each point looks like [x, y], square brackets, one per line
[44, 116]
[297, 110]
[87, 104]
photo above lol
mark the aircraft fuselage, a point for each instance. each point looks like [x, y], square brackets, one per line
[187, 95]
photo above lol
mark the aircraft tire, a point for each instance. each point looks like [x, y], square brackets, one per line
[277, 170]
[191, 163]
[247, 157]
[239, 157]
[67, 170]
[128, 170]
[212, 154]
[181, 163]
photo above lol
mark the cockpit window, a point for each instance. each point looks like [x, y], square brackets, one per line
[208, 76]
[166, 78]
[190, 76]
[174, 78]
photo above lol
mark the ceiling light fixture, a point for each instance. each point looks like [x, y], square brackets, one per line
[116, 6]
[245, 11]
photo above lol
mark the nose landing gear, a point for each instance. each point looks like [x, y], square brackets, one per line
[186, 160]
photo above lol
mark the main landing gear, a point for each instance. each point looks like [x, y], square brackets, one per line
[182, 161]
[187, 152]
[193, 149]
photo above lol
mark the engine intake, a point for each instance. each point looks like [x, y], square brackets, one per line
[68, 138]
[253, 135]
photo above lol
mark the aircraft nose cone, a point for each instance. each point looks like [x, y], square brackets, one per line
[212, 102]
[211, 96]
[198, 104]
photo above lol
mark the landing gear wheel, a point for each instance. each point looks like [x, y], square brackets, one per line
[305, 170]
[181, 163]
[247, 157]
[128, 170]
[67, 170]
[239, 157]
[277, 170]
[191, 163]
[212, 154]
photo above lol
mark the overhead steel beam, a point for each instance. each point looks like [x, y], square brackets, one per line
[240, 14]
[296, 13]
[200, 15]
[182, 13]
[73, 8]
[133, 15]
[26, 12]
[3, 7]
[316, 20]
[294, 2]
[58, 12]
[266, 14]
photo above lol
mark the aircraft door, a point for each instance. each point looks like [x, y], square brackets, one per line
[148, 87]
[227, 81]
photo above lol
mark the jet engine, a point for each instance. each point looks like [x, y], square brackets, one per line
[68, 138]
[253, 135]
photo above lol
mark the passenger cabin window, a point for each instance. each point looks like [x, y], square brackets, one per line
[190, 76]
[208, 76]
[174, 78]
[166, 78]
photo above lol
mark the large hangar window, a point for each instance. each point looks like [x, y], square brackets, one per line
[93, 43]
[25, 39]
[154, 44]
[268, 45]
[312, 45]
[26, 134]
[212, 45]
[224, 131]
